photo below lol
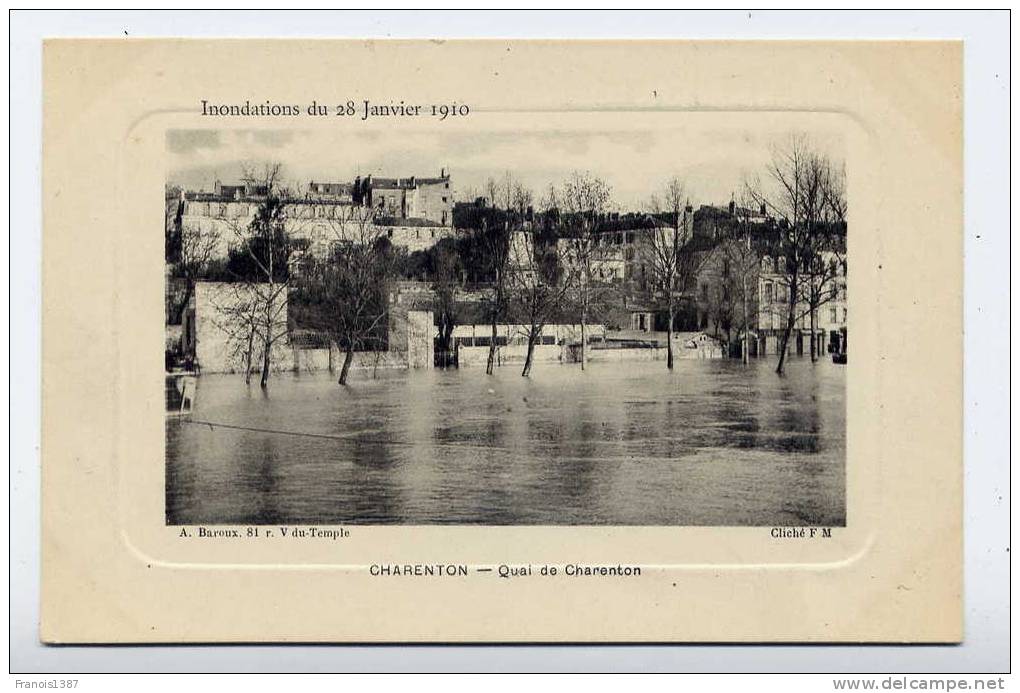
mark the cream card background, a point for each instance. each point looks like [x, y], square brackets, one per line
[113, 572]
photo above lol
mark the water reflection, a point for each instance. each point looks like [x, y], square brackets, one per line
[714, 443]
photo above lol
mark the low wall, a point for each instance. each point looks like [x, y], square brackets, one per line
[613, 355]
[220, 335]
[656, 353]
[315, 360]
[515, 354]
[507, 355]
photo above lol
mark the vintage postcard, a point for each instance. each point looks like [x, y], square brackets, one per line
[502, 341]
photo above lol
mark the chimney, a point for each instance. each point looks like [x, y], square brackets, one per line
[733, 206]
[412, 181]
[763, 209]
[442, 173]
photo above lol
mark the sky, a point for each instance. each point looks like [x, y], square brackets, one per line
[712, 160]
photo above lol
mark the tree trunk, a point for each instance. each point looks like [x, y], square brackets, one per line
[183, 305]
[743, 340]
[782, 349]
[267, 340]
[814, 341]
[247, 357]
[267, 346]
[669, 336]
[490, 365]
[584, 337]
[790, 318]
[348, 357]
[531, 351]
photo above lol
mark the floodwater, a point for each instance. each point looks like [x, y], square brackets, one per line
[714, 443]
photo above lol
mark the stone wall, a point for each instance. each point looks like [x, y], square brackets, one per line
[421, 335]
[332, 360]
[221, 337]
[473, 356]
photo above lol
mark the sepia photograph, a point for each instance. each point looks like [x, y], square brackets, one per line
[545, 327]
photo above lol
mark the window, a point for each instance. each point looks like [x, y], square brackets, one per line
[389, 233]
[844, 315]
[444, 199]
[832, 315]
[768, 292]
[726, 267]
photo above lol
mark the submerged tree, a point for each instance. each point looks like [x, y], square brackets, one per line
[585, 199]
[445, 272]
[540, 287]
[671, 264]
[343, 291]
[496, 237]
[260, 264]
[800, 194]
[743, 264]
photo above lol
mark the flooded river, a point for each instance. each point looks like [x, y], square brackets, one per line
[713, 443]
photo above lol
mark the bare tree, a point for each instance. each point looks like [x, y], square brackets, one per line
[445, 271]
[800, 179]
[585, 200]
[198, 248]
[717, 301]
[492, 191]
[496, 237]
[344, 294]
[190, 250]
[668, 254]
[540, 286]
[744, 265]
[262, 261]
[238, 315]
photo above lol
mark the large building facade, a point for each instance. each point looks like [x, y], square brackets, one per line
[425, 199]
[412, 213]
